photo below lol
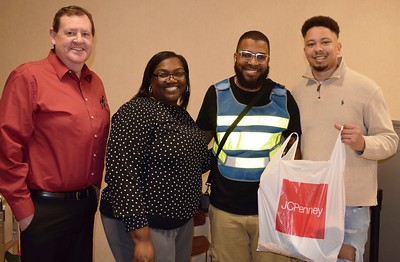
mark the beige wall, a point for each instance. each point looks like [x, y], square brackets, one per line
[128, 33]
[206, 33]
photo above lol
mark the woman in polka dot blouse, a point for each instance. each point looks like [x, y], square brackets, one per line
[155, 158]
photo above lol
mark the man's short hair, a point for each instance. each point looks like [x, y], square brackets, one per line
[71, 11]
[324, 21]
[253, 35]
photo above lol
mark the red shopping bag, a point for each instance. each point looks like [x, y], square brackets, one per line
[301, 205]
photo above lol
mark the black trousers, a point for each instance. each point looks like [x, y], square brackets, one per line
[61, 230]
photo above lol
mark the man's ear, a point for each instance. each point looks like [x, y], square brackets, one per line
[52, 36]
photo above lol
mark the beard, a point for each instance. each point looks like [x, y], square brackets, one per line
[252, 83]
[319, 68]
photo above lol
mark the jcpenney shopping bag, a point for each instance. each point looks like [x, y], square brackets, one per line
[301, 205]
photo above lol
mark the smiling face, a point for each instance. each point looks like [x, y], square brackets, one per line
[321, 48]
[168, 90]
[73, 42]
[251, 75]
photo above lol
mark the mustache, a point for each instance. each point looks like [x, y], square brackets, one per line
[253, 84]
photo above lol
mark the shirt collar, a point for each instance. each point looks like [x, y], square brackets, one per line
[62, 70]
[336, 74]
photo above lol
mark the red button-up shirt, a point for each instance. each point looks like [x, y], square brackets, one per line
[53, 131]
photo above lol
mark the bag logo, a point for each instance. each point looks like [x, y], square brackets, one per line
[302, 209]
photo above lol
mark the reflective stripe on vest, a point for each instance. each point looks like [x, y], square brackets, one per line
[254, 120]
[249, 140]
[241, 162]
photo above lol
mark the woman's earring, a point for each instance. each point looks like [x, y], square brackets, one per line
[150, 89]
[187, 89]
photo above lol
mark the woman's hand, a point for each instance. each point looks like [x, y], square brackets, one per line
[143, 250]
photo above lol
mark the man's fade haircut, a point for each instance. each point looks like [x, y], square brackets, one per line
[253, 35]
[324, 21]
[72, 10]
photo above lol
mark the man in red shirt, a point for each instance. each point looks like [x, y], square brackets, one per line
[54, 124]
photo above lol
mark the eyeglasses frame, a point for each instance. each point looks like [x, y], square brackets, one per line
[171, 75]
[253, 55]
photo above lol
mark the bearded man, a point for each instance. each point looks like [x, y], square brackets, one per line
[238, 166]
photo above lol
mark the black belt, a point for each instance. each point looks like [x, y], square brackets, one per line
[76, 195]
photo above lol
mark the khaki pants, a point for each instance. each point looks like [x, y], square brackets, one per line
[234, 238]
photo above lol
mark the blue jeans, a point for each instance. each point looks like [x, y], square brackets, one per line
[356, 229]
[173, 245]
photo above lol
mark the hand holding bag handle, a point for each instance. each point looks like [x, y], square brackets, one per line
[291, 153]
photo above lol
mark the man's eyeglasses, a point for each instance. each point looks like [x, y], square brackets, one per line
[247, 56]
[164, 76]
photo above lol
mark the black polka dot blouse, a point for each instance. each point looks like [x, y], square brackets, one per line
[155, 157]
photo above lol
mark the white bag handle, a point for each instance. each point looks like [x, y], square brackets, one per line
[339, 148]
[291, 153]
